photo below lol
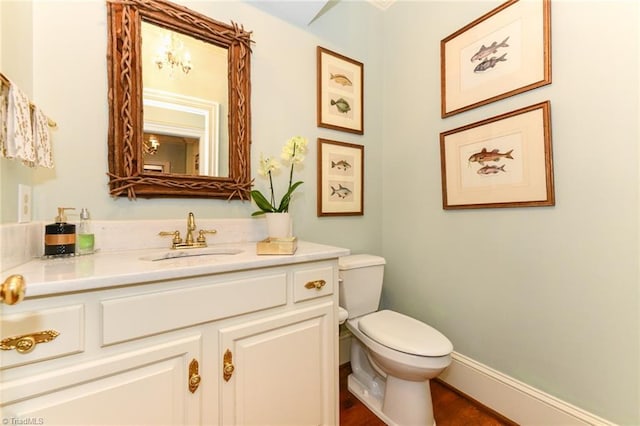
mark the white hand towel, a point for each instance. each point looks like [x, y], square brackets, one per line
[42, 139]
[19, 132]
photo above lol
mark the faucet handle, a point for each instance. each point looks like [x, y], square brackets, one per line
[201, 238]
[176, 236]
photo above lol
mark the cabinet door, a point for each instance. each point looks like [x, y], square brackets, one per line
[284, 369]
[143, 387]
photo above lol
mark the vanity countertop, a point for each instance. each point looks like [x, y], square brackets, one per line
[108, 269]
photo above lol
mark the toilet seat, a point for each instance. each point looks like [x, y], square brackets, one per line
[405, 334]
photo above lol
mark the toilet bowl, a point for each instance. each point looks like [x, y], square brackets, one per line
[393, 356]
[395, 384]
[409, 354]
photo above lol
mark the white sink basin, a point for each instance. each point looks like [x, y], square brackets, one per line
[174, 254]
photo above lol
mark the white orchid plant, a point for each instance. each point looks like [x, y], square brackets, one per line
[293, 153]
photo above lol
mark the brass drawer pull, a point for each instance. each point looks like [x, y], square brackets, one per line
[27, 342]
[317, 284]
[194, 377]
[227, 365]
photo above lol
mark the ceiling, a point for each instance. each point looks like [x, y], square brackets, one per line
[304, 12]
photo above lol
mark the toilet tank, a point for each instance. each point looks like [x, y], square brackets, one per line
[361, 283]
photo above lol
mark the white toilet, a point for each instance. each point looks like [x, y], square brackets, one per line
[393, 356]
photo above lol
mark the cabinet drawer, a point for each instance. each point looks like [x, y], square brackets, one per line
[129, 318]
[312, 283]
[67, 321]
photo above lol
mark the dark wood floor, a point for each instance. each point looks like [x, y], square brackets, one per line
[450, 408]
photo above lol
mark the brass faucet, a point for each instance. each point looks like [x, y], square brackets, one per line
[189, 242]
[191, 226]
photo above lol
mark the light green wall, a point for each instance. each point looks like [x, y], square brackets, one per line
[549, 295]
[16, 61]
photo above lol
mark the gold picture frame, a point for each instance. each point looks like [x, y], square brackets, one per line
[340, 92]
[340, 178]
[504, 52]
[503, 161]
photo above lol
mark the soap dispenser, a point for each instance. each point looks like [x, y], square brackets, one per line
[60, 237]
[86, 239]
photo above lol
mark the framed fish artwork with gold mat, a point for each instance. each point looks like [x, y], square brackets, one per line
[340, 178]
[340, 92]
[503, 53]
[503, 161]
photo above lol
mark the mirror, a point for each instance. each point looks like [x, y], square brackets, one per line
[179, 112]
[180, 99]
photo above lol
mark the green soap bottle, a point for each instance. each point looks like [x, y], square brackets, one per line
[86, 239]
[60, 237]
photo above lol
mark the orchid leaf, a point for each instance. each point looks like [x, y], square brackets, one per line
[284, 204]
[261, 202]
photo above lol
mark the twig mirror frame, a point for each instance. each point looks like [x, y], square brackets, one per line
[126, 174]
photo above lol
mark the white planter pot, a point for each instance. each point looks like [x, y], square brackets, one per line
[279, 225]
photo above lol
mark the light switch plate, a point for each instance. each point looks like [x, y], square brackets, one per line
[24, 203]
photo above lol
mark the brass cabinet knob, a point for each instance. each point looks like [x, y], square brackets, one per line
[13, 289]
[317, 284]
[227, 365]
[194, 377]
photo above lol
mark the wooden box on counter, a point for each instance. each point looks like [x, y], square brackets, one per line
[277, 246]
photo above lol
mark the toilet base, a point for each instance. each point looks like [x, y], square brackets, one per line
[375, 402]
[372, 402]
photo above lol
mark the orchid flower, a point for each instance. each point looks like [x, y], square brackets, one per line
[292, 152]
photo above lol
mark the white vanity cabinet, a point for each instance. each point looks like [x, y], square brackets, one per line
[264, 340]
[283, 369]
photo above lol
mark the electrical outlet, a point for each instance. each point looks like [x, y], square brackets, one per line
[24, 203]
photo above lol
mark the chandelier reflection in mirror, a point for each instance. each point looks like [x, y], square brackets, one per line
[151, 145]
[172, 55]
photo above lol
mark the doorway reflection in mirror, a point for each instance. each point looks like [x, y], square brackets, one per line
[177, 153]
[188, 118]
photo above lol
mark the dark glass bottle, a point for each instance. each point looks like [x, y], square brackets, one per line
[60, 237]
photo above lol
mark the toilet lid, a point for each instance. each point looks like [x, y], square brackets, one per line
[405, 334]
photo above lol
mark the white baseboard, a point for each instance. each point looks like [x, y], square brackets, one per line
[515, 400]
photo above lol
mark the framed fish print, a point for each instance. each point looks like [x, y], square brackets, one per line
[503, 161]
[340, 178]
[340, 92]
[503, 53]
